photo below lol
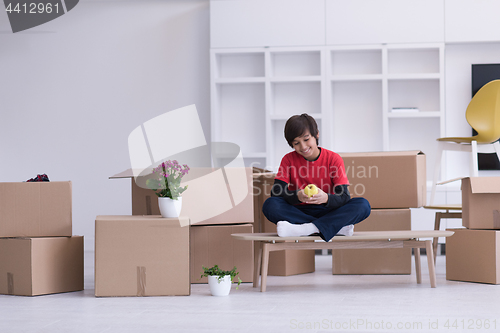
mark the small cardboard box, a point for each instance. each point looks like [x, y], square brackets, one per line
[376, 261]
[395, 179]
[35, 209]
[481, 202]
[473, 256]
[141, 256]
[40, 266]
[289, 262]
[214, 196]
[213, 245]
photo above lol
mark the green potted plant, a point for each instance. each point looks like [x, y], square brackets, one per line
[166, 182]
[220, 280]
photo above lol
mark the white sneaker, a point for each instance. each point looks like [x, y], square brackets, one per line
[348, 230]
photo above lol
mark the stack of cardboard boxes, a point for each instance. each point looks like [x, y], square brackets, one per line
[393, 182]
[200, 237]
[38, 254]
[285, 262]
[473, 253]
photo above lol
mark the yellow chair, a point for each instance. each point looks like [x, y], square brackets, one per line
[483, 115]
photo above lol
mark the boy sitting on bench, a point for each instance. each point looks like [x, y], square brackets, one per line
[330, 211]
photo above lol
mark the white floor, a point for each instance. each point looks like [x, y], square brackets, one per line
[315, 302]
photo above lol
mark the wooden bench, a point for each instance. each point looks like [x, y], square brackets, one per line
[267, 242]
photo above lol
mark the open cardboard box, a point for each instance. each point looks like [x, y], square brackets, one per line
[395, 179]
[214, 196]
[481, 202]
[41, 265]
[35, 209]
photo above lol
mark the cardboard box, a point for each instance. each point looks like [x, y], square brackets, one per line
[289, 262]
[395, 179]
[141, 256]
[214, 196]
[35, 209]
[40, 266]
[285, 262]
[473, 256]
[376, 261]
[213, 245]
[481, 202]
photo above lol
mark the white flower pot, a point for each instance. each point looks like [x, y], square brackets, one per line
[169, 207]
[219, 288]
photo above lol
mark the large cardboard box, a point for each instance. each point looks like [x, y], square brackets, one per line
[35, 209]
[40, 266]
[473, 256]
[281, 263]
[395, 179]
[481, 202]
[141, 256]
[284, 262]
[376, 261]
[214, 196]
[213, 245]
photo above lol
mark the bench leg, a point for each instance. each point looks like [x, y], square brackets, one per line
[257, 263]
[430, 262]
[265, 264]
[418, 271]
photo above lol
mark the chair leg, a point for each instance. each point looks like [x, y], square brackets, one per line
[418, 271]
[474, 165]
[496, 145]
[437, 167]
[437, 225]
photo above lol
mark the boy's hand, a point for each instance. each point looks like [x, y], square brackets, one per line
[317, 199]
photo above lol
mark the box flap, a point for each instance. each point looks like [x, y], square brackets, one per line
[485, 184]
[129, 173]
[383, 153]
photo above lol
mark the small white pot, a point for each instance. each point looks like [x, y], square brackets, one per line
[219, 288]
[169, 207]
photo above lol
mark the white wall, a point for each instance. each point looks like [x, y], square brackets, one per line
[73, 89]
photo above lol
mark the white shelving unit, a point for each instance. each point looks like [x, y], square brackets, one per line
[368, 81]
[254, 91]
[349, 90]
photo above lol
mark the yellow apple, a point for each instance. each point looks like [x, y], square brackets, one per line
[310, 190]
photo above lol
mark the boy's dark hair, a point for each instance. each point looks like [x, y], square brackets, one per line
[297, 125]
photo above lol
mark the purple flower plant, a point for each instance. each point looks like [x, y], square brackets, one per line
[166, 179]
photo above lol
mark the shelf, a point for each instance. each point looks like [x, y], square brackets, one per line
[356, 62]
[296, 79]
[241, 80]
[296, 63]
[418, 114]
[423, 94]
[422, 76]
[413, 60]
[289, 98]
[231, 65]
[285, 117]
[365, 77]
